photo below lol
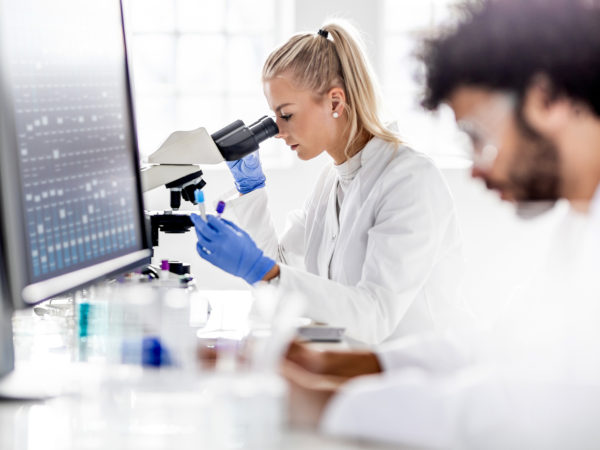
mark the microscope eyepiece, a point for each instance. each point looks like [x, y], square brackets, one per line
[263, 129]
[237, 140]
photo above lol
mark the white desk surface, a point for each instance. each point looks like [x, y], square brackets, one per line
[121, 417]
[57, 425]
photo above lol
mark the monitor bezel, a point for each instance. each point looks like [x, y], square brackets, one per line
[22, 290]
[7, 354]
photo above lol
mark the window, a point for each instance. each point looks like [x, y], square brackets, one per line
[404, 22]
[198, 63]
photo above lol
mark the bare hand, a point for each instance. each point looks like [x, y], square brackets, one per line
[309, 393]
[337, 363]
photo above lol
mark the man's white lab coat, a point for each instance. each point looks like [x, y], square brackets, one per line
[389, 266]
[531, 382]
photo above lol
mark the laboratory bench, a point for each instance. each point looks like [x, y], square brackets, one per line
[102, 405]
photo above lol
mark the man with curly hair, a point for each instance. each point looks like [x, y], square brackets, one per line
[522, 77]
[523, 80]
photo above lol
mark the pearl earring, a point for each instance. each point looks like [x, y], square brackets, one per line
[335, 115]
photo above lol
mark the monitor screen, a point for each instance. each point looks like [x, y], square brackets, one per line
[72, 205]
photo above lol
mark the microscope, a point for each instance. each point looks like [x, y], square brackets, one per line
[176, 165]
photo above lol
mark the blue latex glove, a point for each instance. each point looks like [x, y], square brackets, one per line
[230, 248]
[247, 173]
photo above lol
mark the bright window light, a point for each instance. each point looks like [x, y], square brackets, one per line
[197, 63]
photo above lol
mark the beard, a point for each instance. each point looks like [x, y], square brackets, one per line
[534, 178]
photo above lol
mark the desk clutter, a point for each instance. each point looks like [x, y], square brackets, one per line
[139, 359]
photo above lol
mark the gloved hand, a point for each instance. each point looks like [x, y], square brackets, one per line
[247, 173]
[230, 248]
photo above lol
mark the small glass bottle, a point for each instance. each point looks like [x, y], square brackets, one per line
[165, 274]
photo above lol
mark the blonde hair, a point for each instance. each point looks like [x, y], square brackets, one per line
[319, 63]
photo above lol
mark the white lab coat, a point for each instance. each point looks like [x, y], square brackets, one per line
[389, 266]
[531, 382]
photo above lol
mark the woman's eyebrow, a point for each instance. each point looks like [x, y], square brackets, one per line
[278, 109]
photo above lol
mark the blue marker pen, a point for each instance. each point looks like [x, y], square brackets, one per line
[220, 208]
[199, 197]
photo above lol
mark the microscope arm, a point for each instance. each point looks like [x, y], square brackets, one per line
[161, 175]
[179, 156]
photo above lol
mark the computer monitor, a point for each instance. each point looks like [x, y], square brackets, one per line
[6, 307]
[70, 196]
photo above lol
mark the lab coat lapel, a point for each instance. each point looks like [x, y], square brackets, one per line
[331, 231]
[354, 199]
[351, 208]
[352, 203]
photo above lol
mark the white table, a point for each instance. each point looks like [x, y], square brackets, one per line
[131, 408]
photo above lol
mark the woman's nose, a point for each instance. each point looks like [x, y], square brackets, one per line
[282, 132]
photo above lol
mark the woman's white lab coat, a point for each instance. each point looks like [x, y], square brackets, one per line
[389, 266]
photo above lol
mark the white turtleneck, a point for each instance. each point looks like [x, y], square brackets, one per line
[346, 172]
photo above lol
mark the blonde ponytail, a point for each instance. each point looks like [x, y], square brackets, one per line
[319, 63]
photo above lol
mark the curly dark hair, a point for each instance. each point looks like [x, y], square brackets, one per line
[503, 44]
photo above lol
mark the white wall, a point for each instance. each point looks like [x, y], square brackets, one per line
[366, 15]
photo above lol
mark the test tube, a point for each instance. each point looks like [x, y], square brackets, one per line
[220, 208]
[199, 197]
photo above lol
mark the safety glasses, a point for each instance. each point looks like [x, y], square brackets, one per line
[484, 128]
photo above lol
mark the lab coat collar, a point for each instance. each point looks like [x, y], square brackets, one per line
[370, 150]
[375, 153]
[373, 147]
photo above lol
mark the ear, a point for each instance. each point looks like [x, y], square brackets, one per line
[545, 112]
[337, 99]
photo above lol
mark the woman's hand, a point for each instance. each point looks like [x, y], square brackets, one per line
[230, 248]
[247, 173]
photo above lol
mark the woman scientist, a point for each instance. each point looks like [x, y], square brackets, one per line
[376, 248]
